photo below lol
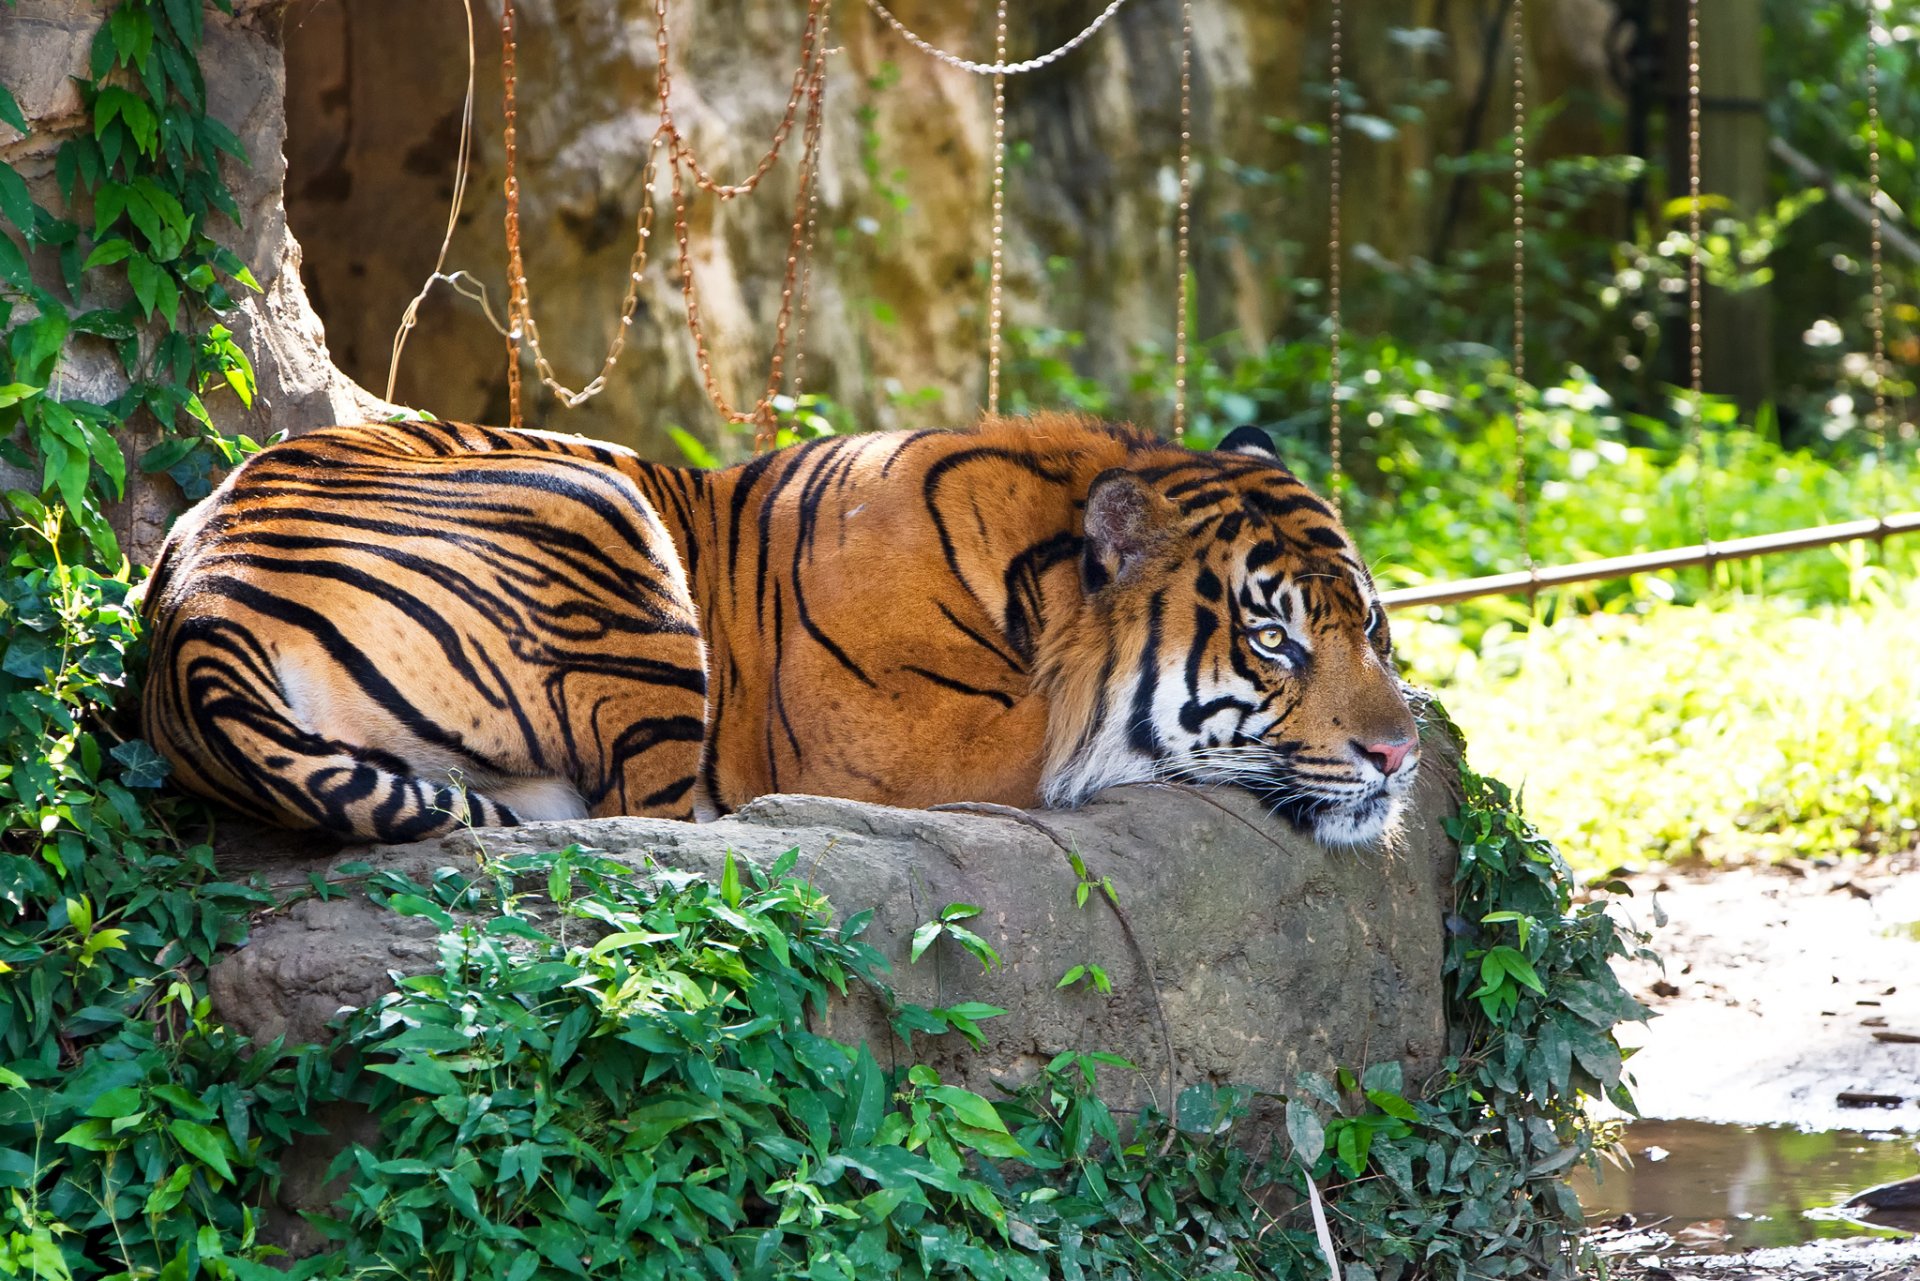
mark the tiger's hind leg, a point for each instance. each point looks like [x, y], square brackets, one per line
[217, 712]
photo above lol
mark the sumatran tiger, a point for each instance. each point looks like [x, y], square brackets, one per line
[386, 630]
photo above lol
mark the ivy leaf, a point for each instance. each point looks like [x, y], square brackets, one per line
[30, 656]
[13, 263]
[168, 453]
[184, 17]
[1392, 1104]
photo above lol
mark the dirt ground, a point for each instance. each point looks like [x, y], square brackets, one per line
[1790, 997]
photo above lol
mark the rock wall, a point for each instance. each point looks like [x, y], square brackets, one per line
[898, 319]
[1246, 954]
[43, 45]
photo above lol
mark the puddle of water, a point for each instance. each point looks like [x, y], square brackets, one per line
[1768, 1184]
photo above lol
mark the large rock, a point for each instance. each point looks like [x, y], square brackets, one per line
[1242, 951]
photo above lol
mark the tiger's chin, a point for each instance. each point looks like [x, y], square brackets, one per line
[1366, 823]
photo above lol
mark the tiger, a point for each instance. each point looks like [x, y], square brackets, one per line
[388, 629]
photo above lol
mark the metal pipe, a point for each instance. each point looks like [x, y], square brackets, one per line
[1809, 170]
[1514, 584]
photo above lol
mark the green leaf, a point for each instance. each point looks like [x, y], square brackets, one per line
[981, 950]
[141, 765]
[10, 110]
[93, 1135]
[204, 1145]
[693, 448]
[1304, 1130]
[111, 250]
[969, 1107]
[14, 393]
[16, 202]
[121, 1101]
[153, 288]
[30, 656]
[428, 1076]
[730, 882]
[923, 939]
[1393, 1105]
[624, 939]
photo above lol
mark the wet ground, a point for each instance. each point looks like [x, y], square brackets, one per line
[1781, 1075]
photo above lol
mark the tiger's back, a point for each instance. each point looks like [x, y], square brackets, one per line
[386, 630]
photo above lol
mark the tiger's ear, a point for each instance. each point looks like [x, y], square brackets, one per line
[1127, 521]
[1248, 440]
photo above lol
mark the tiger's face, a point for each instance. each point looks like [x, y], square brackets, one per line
[1241, 641]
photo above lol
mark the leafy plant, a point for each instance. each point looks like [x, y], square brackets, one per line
[947, 924]
[633, 1086]
[135, 1135]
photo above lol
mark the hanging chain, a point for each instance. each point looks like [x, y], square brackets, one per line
[1333, 264]
[516, 274]
[1878, 421]
[999, 66]
[1184, 233]
[762, 413]
[997, 263]
[1521, 498]
[1695, 295]
[808, 87]
[812, 38]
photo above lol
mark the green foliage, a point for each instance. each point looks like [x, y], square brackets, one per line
[947, 923]
[134, 1134]
[1757, 727]
[633, 1089]
[626, 1082]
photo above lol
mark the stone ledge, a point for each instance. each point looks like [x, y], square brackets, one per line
[1264, 953]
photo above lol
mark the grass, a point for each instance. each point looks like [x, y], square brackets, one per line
[1741, 728]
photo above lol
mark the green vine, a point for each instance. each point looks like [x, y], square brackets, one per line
[132, 1132]
[650, 1101]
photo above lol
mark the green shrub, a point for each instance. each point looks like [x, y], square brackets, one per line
[630, 1085]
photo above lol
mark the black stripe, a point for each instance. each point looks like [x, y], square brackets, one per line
[960, 687]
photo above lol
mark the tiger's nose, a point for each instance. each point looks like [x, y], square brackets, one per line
[1386, 757]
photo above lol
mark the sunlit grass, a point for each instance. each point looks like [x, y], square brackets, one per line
[1740, 728]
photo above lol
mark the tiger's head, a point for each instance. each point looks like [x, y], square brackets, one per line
[1232, 635]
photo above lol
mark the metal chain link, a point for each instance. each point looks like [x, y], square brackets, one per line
[1522, 499]
[999, 66]
[1878, 421]
[1184, 232]
[809, 86]
[1335, 478]
[1695, 293]
[998, 261]
[516, 274]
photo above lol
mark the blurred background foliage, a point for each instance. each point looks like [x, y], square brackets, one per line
[1756, 710]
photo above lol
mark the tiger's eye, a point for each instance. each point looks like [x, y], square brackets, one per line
[1270, 637]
